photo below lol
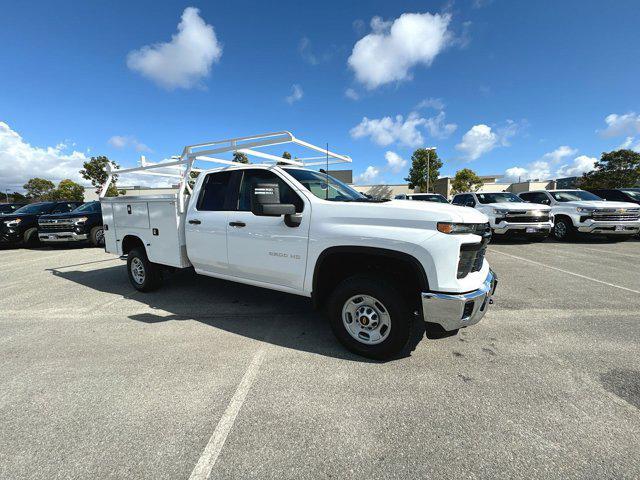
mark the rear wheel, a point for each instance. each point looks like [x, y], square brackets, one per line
[144, 275]
[370, 317]
[563, 229]
[96, 236]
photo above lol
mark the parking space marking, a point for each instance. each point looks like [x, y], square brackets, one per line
[566, 271]
[207, 461]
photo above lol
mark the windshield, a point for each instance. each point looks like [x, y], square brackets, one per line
[88, 207]
[316, 183]
[34, 208]
[498, 197]
[573, 196]
[430, 198]
[633, 194]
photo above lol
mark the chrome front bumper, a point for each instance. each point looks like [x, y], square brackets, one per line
[505, 227]
[609, 228]
[62, 237]
[453, 311]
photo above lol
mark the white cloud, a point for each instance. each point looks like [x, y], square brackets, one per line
[580, 165]
[477, 141]
[435, 103]
[385, 131]
[185, 60]
[481, 139]
[352, 94]
[20, 161]
[369, 176]
[128, 141]
[393, 48]
[296, 94]
[629, 144]
[619, 125]
[559, 154]
[438, 128]
[405, 131]
[395, 162]
[544, 169]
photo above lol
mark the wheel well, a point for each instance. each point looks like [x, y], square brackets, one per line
[130, 242]
[563, 216]
[337, 263]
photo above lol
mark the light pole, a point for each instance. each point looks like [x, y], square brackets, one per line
[429, 149]
[6, 192]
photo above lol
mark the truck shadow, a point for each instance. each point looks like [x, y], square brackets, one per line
[279, 318]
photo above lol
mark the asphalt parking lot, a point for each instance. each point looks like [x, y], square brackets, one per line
[100, 381]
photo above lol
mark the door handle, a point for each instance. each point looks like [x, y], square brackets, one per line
[237, 224]
[195, 222]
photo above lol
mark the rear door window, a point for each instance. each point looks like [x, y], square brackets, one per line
[214, 192]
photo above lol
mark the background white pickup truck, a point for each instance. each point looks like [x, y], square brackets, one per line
[581, 211]
[372, 265]
[509, 214]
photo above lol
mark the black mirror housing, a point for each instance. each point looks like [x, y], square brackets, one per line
[265, 201]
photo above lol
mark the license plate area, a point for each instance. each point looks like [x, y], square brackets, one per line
[531, 229]
[619, 228]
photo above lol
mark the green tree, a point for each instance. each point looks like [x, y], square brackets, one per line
[418, 172]
[617, 169]
[286, 155]
[68, 190]
[466, 180]
[95, 170]
[240, 157]
[39, 188]
[17, 197]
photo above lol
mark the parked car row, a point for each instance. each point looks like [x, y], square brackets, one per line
[614, 213]
[52, 222]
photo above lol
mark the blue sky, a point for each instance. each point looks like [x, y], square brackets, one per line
[534, 89]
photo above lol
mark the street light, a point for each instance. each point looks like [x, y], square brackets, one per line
[429, 149]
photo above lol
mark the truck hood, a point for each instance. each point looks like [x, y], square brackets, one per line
[512, 206]
[395, 211]
[55, 216]
[598, 204]
[13, 216]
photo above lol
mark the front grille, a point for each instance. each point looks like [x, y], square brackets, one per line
[471, 258]
[55, 228]
[527, 219]
[615, 217]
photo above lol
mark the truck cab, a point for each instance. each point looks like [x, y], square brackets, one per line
[368, 263]
[509, 214]
[578, 211]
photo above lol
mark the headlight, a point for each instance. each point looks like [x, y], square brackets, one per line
[446, 227]
[499, 211]
[585, 209]
[79, 220]
[12, 223]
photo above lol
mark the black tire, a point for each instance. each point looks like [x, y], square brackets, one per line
[149, 276]
[30, 238]
[390, 300]
[563, 229]
[96, 236]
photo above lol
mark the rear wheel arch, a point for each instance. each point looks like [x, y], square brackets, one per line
[335, 264]
[129, 242]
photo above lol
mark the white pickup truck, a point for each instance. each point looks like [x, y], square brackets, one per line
[581, 211]
[509, 214]
[374, 266]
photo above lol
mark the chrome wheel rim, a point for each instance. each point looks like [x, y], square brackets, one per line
[100, 237]
[561, 229]
[366, 319]
[137, 271]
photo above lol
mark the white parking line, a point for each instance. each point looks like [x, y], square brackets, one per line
[210, 454]
[566, 271]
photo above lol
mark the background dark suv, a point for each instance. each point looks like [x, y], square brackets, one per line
[10, 207]
[82, 224]
[618, 194]
[21, 226]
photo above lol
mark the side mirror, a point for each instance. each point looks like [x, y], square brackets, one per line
[265, 201]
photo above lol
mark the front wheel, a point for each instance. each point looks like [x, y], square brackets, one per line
[563, 229]
[370, 317]
[143, 275]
